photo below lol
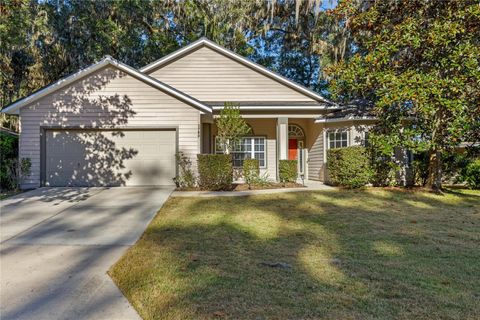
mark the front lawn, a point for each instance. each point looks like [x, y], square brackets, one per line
[372, 254]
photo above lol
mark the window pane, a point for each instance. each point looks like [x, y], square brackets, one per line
[332, 144]
[238, 158]
[259, 155]
[344, 135]
[338, 144]
[331, 136]
[344, 143]
[259, 147]
[247, 144]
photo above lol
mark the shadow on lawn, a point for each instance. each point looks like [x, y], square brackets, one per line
[353, 254]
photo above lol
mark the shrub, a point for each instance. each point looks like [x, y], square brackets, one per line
[186, 177]
[287, 170]
[15, 172]
[419, 167]
[262, 180]
[383, 168]
[452, 166]
[349, 167]
[8, 146]
[251, 171]
[8, 156]
[215, 171]
[471, 174]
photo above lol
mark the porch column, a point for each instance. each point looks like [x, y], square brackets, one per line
[282, 138]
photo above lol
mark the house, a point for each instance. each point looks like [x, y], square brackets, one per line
[111, 124]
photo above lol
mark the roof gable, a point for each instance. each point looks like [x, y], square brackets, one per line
[189, 58]
[107, 61]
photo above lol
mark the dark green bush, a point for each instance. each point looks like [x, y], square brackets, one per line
[471, 174]
[288, 171]
[383, 168]
[215, 171]
[251, 171]
[349, 167]
[452, 166]
[8, 156]
[8, 146]
[419, 167]
[15, 172]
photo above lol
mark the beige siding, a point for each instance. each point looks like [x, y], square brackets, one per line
[106, 99]
[210, 76]
[315, 146]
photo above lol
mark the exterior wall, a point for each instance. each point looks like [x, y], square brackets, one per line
[265, 128]
[315, 147]
[210, 76]
[108, 98]
[317, 144]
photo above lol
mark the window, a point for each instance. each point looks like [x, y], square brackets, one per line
[295, 131]
[247, 148]
[337, 139]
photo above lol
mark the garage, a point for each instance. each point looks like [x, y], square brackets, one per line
[127, 157]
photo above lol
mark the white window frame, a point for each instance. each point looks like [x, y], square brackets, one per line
[335, 131]
[252, 149]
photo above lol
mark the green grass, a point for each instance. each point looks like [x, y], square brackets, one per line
[371, 254]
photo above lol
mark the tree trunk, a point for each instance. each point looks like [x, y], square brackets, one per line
[434, 180]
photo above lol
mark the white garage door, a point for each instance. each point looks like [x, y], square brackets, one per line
[109, 157]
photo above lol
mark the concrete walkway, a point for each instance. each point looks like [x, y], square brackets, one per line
[58, 243]
[309, 186]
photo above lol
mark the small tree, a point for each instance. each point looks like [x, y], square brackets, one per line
[231, 127]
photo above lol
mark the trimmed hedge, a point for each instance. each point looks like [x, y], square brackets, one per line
[251, 171]
[287, 170]
[215, 171]
[349, 167]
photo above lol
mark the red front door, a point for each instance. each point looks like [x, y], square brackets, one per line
[292, 149]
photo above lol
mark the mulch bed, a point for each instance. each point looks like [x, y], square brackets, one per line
[244, 187]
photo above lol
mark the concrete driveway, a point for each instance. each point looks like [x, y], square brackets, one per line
[58, 243]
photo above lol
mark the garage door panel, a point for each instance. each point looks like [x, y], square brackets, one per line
[110, 158]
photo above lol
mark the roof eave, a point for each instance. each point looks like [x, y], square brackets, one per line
[344, 119]
[15, 107]
[262, 108]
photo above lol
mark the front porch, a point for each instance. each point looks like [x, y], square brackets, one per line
[274, 138]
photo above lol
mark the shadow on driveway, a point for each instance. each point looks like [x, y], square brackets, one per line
[58, 243]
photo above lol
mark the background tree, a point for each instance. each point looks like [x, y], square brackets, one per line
[418, 64]
[299, 39]
[43, 41]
